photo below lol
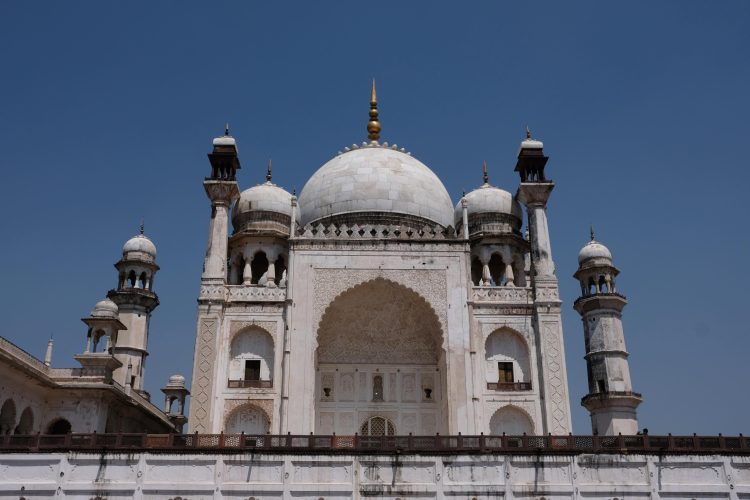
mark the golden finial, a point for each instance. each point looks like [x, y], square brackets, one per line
[485, 177]
[268, 171]
[373, 126]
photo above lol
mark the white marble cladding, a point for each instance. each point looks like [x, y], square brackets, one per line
[502, 294]
[167, 476]
[375, 179]
[242, 293]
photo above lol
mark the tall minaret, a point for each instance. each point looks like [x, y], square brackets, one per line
[534, 192]
[222, 189]
[135, 299]
[611, 400]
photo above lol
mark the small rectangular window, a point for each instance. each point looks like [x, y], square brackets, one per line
[505, 372]
[252, 369]
[601, 386]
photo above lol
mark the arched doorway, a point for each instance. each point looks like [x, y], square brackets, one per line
[248, 419]
[512, 421]
[26, 422]
[7, 417]
[377, 426]
[59, 426]
[380, 352]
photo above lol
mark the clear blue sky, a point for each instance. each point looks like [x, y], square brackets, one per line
[108, 110]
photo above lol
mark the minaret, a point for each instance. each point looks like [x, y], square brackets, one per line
[222, 189]
[135, 300]
[611, 400]
[534, 192]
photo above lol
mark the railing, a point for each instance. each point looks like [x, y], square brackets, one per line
[234, 443]
[509, 386]
[250, 384]
[610, 394]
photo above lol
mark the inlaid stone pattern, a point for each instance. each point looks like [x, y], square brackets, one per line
[204, 367]
[430, 284]
[556, 391]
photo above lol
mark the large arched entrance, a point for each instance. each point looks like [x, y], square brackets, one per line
[380, 354]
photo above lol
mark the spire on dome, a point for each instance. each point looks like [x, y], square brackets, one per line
[591, 230]
[528, 132]
[486, 177]
[268, 171]
[226, 129]
[142, 226]
[373, 126]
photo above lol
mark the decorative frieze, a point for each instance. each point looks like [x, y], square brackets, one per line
[502, 294]
[242, 293]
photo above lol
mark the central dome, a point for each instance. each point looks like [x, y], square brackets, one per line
[375, 180]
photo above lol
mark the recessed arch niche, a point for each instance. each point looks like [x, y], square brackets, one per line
[380, 349]
[512, 421]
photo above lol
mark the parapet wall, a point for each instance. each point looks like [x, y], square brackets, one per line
[155, 475]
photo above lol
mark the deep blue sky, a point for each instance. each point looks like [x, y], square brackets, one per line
[108, 110]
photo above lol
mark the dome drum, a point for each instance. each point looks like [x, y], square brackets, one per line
[492, 224]
[261, 222]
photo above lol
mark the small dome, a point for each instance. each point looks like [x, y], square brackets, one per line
[267, 197]
[105, 309]
[488, 199]
[177, 380]
[375, 179]
[139, 244]
[260, 205]
[594, 250]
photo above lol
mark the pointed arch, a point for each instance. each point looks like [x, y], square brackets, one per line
[7, 417]
[512, 421]
[507, 354]
[25, 422]
[248, 418]
[377, 317]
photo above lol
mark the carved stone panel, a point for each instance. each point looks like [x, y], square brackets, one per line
[203, 375]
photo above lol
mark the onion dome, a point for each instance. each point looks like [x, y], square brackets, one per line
[263, 208]
[176, 380]
[375, 183]
[105, 309]
[490, 209]
[139, 247]
[594, 253]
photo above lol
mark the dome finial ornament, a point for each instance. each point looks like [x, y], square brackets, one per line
[485, 177]
[142, 226]
[226, 129]
[373, 126]
[591, 230]
[268, 172]
[528, 132]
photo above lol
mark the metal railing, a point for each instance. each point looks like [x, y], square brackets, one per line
[250, 384]
[356, 444]
[509, 386]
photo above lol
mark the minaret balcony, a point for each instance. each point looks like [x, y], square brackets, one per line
[601, 399]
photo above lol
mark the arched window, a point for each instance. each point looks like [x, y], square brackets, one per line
[132, 279]
[377, 426]
[258, 267]
[603, 286]
[59, 426]
[7, 417]
[143, 280]
[508, 361]
[248, 419]
[251, 359]
[512, 421]
[279, 268]
[476, 271]
[26, 422]
[497, 269]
